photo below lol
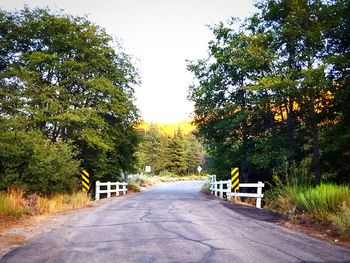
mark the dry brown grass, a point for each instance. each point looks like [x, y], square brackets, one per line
[58, 203]
[14, 204]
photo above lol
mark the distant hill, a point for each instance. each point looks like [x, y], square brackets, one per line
[169, 128]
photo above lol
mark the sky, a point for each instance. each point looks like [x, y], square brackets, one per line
[160, 35]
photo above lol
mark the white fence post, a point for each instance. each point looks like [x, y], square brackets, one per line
[108, 189]
[221, 189]
[259, 193]
[97, 192]
[117, 187]
[229, 184]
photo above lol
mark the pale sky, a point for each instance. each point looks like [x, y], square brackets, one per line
[160, 35]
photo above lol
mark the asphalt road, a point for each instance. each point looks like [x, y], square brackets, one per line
[172, 223]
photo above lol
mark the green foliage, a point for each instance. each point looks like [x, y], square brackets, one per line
[166, 173]
[64, 77]
[341, 220]
[325, 203]
[206, 188]
[274, 90]
[176, 154]
[152, 150]
[326, 197]
[133, 186]
[30, 161]
[280, 197]
[180, 154]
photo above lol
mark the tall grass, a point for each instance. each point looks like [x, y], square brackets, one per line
[325, 203]
[57, 203]
[12, 203]
[326, 197]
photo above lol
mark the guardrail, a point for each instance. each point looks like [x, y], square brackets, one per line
[110, 188]
[218, 188]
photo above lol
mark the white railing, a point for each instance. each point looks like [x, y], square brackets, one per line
[218, 188]
[110, 187]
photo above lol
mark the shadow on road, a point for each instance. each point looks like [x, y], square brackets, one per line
[255, 213]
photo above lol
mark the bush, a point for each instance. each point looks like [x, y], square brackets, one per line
[341, 220]
[166, 173]
[206, 188]
[140, 179]
[29, 161]
[133, 186]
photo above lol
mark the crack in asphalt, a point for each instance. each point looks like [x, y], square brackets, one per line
[270, 246]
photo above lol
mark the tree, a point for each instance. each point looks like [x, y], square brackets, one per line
[153, 149]
[336, 151]
[266, 93]
[65, 77]
[194, 153]
[176, 154]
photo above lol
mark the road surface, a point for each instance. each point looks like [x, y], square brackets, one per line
[172, 223]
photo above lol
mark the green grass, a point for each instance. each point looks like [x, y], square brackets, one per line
[324, 197]
[325, 203]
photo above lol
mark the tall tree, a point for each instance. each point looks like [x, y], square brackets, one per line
[67, 78]
[266, 93]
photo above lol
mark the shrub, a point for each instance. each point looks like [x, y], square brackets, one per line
[166, 173]
[206, 188]
[341, 220]
[133, 186]
[140, 179]
[29, 161]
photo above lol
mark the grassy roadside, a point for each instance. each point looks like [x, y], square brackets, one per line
[14, 204]
[326, 206]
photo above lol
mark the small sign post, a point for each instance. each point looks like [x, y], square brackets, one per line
[148, 169]
[199, 169]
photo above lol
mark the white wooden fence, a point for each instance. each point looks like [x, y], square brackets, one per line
[218, 188]
[109, 188]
